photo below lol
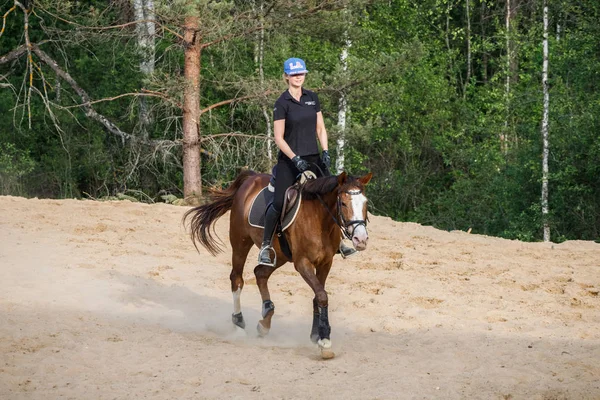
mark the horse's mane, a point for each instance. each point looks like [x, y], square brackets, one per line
[314, 187]
[324, 185]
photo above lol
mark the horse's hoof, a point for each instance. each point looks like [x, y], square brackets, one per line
[325, 347]
[327, 354]
[238, 320]
[262, 331]
[238, 333]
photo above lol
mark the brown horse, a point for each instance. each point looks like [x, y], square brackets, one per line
[328, 205]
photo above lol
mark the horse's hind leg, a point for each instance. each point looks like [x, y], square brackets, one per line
[238, 259]
[262, 273]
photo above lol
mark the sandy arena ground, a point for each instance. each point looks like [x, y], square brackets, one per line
[110, 300]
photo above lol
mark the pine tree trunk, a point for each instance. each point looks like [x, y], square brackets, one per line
[192, 183]
[545, 118]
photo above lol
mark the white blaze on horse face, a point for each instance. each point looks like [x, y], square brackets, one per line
[360, 235]
[237, 306]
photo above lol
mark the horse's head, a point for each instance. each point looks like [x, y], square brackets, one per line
[352, 208]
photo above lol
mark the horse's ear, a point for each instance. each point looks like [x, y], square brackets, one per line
[342, 178]
[365, 179]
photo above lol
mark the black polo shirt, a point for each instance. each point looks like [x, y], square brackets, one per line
[300, 121]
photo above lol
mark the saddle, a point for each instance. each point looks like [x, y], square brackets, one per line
[291, 203]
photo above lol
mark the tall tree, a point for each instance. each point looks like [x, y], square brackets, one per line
[509, 57]
[259, 60]
[468, 77]
[192, 42]
[545, 138]
[145, 31]
[343, 102]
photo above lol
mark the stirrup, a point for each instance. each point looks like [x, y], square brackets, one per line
[264, 257]
[346, 251]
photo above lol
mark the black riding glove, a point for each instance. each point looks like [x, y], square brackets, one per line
[326, 158]
[301, 164]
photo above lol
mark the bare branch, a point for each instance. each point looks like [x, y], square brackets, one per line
[4, 18]
[144, 93]
[90, 112]
[120, 26]
[235, 134]
[13, 55]
[168, 145]
[319, 7]
[230, 36]
[154, 93]
[325, 5]
[29, 57]
[87, 101]
[250, 15]
[6, 85]
[224, 102]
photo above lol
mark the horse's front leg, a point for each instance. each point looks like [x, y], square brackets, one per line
[321, 330]
[321, 325]
[314, 331]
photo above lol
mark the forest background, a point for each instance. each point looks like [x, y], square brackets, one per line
[442, 100]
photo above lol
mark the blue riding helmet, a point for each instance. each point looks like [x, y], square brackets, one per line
[294, 66]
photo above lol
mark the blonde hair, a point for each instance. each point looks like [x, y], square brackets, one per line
[286, 78]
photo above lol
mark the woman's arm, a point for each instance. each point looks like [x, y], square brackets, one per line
[321, 131]
[278, 131]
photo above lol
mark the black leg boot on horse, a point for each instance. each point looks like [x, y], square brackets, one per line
[271, 219]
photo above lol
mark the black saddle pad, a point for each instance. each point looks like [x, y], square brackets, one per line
[256, 217]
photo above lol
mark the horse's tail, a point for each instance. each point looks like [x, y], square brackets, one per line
[205, 216]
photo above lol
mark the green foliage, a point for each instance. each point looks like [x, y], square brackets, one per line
[444, 151]
[15, 165]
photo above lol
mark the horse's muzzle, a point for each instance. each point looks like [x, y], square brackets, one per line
[360, 238]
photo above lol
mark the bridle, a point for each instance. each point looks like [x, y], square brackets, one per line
[341, 221]
[354, 223]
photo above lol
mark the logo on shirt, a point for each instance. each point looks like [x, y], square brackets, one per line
[310, 103]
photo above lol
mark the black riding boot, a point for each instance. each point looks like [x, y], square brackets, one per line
[264, 256]
[346, 251]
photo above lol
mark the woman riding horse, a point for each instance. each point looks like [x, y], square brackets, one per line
[298, 122]
[328, 204]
